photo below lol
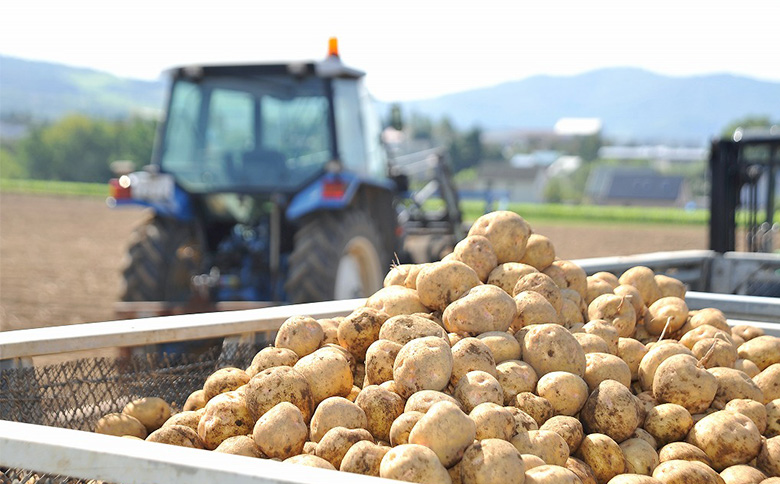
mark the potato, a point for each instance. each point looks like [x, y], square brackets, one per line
[471, 354]
[666, 314]
[403, 275]
[641, 457]
[733, 384]
[603, 455]
[550, 473]
[657, 354]
[413, 463]
[746, 331]
[742, 474]
[196, 400]
[752, 409]
[364, 458]
[569, 428]
[714, 352]
[539, 408]
[544, 285]
[633, 296]
[530, 461]
[120, 424]
[240, 445]
[643, 279]
[402, 426]
[340, 350]
[395, 300]
[683, 472]
[441, 283]
[631, 351]
[768, 381]
[281, 431]
[328, 362]
[679, 380]
[490, 461]
[176, 435]
[604, 366]
[506, 275]
[596, 287]
[380, 357]
[668, 422]
[611, 410]
[152, 412]
[493, 421]
[706, 331]
[548, 445]
[591, 343]
[310, 461]
[403, 328]
[523, 421]
[550, 347]
[615, 310]
[476, 252]
[422, 364]
[532, 308]
[302, 334]
[728, 438]
[358, 330]
[446, 430]
[425, 399]
[711, 317]
[683, 451]
[270, 357]
[330, 328]
[381, 407]
[768, 460]
[582, 470]
[480, 309]
[670, 286]
[746, 366]
[226, 415]
[606, 331]
[763, 351]
[507, 232]
[336, 412]
[502, 345]
[565, 391]
[539, 252]
[190, 418]
[477, 387]
[772, 418]
[571, 314]
[641, 433]
[337, 441]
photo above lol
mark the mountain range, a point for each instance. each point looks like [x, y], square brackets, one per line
[633, 104]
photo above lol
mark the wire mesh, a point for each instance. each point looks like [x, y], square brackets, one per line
[76, 394]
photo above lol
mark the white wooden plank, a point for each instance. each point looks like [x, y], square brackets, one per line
[87, 455]
[147, 331]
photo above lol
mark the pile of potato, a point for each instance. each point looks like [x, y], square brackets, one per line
[499, 364]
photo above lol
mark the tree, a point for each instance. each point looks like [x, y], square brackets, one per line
[749, 121]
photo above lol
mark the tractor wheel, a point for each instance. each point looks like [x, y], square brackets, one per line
[336, 255]
[162, 258]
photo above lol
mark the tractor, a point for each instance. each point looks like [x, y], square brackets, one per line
[270, 183]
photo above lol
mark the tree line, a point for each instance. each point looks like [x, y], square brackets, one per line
[77, 148]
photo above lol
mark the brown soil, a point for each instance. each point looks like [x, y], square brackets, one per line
[61, 257]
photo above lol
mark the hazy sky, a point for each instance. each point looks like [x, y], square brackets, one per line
[410, 49]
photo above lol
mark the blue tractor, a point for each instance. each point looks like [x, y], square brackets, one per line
[271, 183]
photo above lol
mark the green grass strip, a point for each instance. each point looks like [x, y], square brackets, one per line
[51, 187]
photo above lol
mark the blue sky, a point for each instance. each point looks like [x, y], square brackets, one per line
[410, 49]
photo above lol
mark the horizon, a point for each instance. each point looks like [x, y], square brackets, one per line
[410, 50]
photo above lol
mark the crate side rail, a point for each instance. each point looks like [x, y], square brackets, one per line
[148, 331]
[86, 455]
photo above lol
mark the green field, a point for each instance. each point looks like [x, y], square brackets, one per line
[535, 213]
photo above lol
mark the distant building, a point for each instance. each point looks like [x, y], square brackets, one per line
[637, 187]
[578, 126]
[653, 153]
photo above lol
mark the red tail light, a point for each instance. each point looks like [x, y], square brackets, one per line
[333, 189]
[119, 188]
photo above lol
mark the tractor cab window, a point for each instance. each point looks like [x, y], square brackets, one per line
[358, 132]
[247, 134]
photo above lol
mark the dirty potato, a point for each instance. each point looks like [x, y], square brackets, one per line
[446, 430]
[507, 232]
[493, 421]
[364, 458]
[281, 431]
[402, 426]
[490, 461]
[476, 252]
[728, 438]
[550, 347]
[314, 366]
[240, 445]
[359, 329]
[302, 334]
[480, 309]
[548, 445]
[403, 328]
[477, 387]
[680, 380]
[413, 463]
[470, 354]
[176, 435]
[270, 357]
[515, 377]
[336, 412]
[569, 428]
[441, 283]
[226, 416]
[532, 308]
[279, 384]
[121, 424]
[611, 410]
[565, 391]
[380, 357]
[603, 455]
[381, 407]
[668, 423]
[502, 345]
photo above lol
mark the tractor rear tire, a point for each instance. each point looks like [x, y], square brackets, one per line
[336, 255]
[162, 257]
